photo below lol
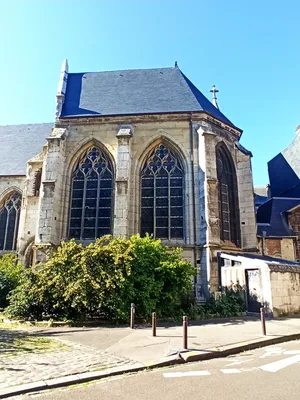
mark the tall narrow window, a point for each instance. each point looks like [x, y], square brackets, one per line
[227, 196]
[92, 196]
[9, 221]
[162, 194]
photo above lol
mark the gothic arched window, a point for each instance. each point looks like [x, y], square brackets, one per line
[9, 221]
[227, 196]
[162, 194]
[91, 196]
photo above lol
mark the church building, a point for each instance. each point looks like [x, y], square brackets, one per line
[134, 151]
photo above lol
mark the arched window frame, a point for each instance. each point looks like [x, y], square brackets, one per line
[10, 209]
[179, 161]
[227, 196]
[110, 166]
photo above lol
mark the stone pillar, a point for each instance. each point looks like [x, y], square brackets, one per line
[122, 185]
[210, 228]
[50, 212]
[30, 207]
[246, 201]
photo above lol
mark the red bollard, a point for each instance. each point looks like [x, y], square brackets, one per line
[263, 321]
[132, 311]
[185, 334]
[154, 324]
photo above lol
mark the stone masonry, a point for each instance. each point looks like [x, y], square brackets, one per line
[127, 140]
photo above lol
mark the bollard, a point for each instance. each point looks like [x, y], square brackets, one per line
[185, 329]
[263, 321]
[132, 311]
[154, 324]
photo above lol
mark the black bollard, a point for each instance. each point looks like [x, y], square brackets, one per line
[132, 312]
[154, 324]
[185, 332]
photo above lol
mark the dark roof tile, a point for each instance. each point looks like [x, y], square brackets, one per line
[18, 144]
[132, 92]
[271, 217]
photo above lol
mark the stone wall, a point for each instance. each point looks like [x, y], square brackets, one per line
[285, 292]
[246, 201]
[30, 206]
[10, 183]
[46, 214]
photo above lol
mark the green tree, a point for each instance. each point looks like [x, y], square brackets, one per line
[103, 278]
[10, 275]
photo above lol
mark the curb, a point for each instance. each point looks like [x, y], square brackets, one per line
[180, 358]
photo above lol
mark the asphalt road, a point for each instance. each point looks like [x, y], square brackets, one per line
[271, 373]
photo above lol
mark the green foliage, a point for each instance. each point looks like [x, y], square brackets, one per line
[231, 303]
[102, 279]
[10, 274]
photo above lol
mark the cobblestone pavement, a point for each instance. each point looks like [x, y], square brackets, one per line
[28, 368]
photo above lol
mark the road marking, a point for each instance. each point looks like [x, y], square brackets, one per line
[292, 352]
[238, 362]
[274, 351]
[230, 371]
[278, 365]
[248, 369]
[183, 374]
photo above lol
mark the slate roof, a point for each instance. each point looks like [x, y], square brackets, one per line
[20, 143]
[133, 92]
[271, 217]
[259, 200]
[272, 262]
[284, 171]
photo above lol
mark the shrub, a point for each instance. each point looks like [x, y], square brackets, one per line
[231, 303]
[102, 279]
[10, 275]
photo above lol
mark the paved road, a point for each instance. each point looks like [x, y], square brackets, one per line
[271, 373]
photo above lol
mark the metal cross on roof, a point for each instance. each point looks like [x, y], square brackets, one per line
[214, 91]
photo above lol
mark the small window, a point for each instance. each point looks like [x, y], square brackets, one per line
[9, 221]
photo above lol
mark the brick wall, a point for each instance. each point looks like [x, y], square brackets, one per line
[294, 223]
[272, 247]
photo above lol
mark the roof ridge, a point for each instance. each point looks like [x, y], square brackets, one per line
[121, 70]
[29, 123]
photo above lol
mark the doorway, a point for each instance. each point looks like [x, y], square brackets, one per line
[254, 293]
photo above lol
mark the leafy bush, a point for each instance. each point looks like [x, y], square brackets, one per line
[102, 279]
[10, 274]
[231, 303]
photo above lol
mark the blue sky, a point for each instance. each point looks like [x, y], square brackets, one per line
[248, 49]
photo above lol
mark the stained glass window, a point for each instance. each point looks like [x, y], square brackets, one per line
[92, 196]
[9, 221]
[227, 196]
[162, 194]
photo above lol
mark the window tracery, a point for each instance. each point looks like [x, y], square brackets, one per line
[9, 221]
[91, 196]
[162, 182]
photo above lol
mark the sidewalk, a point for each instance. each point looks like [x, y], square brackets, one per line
[90, 353]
